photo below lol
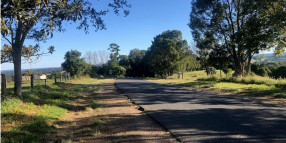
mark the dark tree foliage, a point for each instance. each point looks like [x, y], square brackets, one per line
[73, 63]
[136, 62]
[167, 53]
[123, 61]
[38, 19]
[240, 27]
[114, 69]
[141, 63]
[279, 73]
[260, 69]
[114, 53]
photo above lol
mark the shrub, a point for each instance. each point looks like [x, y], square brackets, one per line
[93, 71]
[227, 71]
[210, 70]
[279, 73]
[261, 70]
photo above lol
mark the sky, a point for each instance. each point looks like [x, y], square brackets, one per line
[147, 19]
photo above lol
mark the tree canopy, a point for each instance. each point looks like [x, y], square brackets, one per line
[73, 63]
[38, 19]
[240, 27]
[167, 53]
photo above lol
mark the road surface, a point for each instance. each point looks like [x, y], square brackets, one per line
[199, 117]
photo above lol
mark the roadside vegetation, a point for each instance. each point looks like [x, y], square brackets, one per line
[251, 85]
[30, 119]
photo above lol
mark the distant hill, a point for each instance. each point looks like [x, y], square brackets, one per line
[270, 57]
[37, 70]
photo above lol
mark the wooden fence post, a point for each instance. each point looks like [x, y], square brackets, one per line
[3, 85]
[55, 78]
[45, 82]
[182, 75]
[32, 81]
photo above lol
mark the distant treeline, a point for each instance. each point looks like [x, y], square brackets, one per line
[264, 58]
[34, 71]
[168, 54]
[273, 69]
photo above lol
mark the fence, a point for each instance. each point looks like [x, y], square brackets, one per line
[24, 78]
[34, 80]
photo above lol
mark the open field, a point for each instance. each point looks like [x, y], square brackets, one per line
[253, 85]
[80, 110]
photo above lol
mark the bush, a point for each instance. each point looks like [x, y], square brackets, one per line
[210, 70]
[93, 71]
[227, 71]
[118, 71]
[212, 78]
[261, 70]
[279, 73]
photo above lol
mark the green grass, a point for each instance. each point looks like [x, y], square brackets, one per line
[252, 85]
[29, 119]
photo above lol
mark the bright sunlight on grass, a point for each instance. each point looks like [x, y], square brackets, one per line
[28, 120]
[252, 85]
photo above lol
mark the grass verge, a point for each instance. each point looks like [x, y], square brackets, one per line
[252, 85]
[30, 119]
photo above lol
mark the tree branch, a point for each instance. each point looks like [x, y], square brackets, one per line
[7, 39]
[284, 42]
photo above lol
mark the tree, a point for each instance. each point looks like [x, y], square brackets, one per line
[241, 27]
[123, 61]
[260, 69]
[219, 59]
[29, 53]
[113, 67]
[38, 19]
[114, 53]
[136, 62]
[167, 52]
[73, 63]
[88, 58]
[27, 73]
[260, 59]
[280, 72]
[191, 61]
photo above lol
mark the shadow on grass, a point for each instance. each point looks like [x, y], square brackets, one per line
[277, 92]
[31, 128]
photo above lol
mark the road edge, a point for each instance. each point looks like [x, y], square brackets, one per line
[143, 111]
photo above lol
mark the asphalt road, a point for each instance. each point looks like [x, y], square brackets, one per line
[199, 117]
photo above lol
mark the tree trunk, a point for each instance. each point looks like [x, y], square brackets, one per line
[17, 69]
[238, 71]
[248, 69]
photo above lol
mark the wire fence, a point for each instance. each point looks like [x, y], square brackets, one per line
[7, 82]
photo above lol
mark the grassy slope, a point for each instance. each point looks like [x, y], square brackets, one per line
[28, 120]
[255, 85]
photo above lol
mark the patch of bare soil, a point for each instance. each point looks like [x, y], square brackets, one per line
[107, 117]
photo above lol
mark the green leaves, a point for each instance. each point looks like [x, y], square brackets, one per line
[242, 28]
[168, 53]
[73, 63]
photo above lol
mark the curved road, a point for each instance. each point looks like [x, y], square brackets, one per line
[197, 117]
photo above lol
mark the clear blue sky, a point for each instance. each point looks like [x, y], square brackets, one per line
[147, 19]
